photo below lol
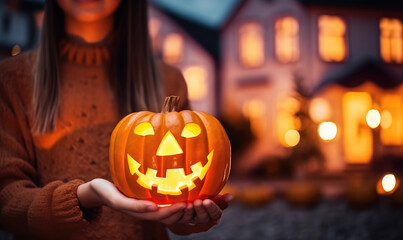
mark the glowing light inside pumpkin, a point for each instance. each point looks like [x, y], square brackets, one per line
[169, 146]
[144, 129]
[191, 130]
[327, 131]
[373, 118]
[292, 137]
[319, 110]
[175, 179]
[386, 119]
[195, 77]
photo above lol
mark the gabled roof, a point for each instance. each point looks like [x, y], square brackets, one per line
[354, 75]
[382, 4]
[208, 13]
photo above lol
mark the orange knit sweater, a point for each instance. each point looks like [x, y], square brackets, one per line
[39, 175]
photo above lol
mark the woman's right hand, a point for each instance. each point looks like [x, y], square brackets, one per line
[102, 192]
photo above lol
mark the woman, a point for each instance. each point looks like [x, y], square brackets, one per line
[94, 65]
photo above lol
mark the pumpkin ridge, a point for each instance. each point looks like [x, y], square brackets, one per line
[196, 115]
[186, 154]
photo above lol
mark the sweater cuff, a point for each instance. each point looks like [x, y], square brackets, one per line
[66, 208]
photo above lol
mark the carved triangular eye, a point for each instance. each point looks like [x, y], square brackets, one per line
[144, 129]
[191, 130]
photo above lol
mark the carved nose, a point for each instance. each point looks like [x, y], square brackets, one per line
[169, 146]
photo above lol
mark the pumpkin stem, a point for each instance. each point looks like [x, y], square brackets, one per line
[171, 103]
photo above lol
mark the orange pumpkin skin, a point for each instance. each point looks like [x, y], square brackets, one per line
[125, 144]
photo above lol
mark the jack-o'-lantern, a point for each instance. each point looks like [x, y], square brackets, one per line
[170, 156]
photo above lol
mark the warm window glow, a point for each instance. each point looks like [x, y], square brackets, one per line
[255, 111]
[373, 118]
[196, 81]
[392, 119]
[327, 130]
[358, 141]
[292, 138]
[332, 42]
[173, 48]
[251, 45]
[287, 36]
[154, 26]
[391, 43]
[319, 110]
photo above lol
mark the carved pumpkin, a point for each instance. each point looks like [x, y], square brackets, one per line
[171, 156]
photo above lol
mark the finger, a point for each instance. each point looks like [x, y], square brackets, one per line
[223, 200]
[188, 214]
[173, 218]
[201, 214]
[213, 210]
[162, 213]
[133, 205]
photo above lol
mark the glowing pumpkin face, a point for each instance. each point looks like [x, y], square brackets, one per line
[169, 157]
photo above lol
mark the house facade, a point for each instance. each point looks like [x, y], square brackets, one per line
[267, 43]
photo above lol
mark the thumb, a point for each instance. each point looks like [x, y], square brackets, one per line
[223, 200]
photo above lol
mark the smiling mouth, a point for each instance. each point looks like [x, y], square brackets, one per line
[175, 179]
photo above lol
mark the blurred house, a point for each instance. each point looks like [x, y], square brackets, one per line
[174, 46]
[348, 53]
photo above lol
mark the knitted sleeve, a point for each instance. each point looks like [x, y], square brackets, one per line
[26, 209]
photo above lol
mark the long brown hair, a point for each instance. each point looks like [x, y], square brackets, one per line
[133, 73]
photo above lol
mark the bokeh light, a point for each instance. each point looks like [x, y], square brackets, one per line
[319, 110]
[373, 118]
[386, 119]
[387, 184]
[327, 130]
[292, 138]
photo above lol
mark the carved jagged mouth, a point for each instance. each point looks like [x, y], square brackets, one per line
[175, 179]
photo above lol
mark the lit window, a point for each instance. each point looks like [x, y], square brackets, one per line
[173, 48]
[392, 119]
[154, 26]
[196, 81]
[358, 142]
[391, 43]
[332, 38]
[251, 45]
[287, 48]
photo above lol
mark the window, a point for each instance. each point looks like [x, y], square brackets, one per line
[392, 119]
[251, 45]
[332, 38]
[173, 48]
[154, 26]
[391, 43]
[358, 139]
[286, 39]
[195, 77]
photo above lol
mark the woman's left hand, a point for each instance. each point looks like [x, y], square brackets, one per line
[201, 215]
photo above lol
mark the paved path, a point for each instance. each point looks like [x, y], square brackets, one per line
[329, 220]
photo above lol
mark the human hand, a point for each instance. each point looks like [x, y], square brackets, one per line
[201, 215]
[102, 192]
